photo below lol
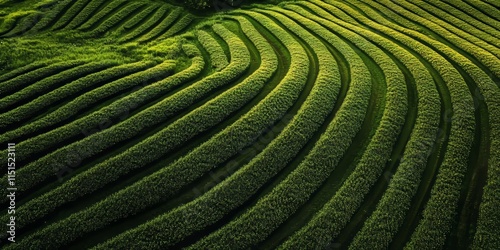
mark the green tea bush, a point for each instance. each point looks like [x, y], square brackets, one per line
[163, 25]
[441, 207]
[238, 187]
[101, 13]
[49, 83]
[178, 26]
[214, 49]
[42, 102]
[73, 11]
[116, 18]
[210, 112]
[327, 223]
[138, 19]
[22, 70]
[145, 26]
[21, 81]
[84, 14]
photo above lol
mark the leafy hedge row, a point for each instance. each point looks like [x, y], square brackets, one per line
[488, 234]
[137, 19]
[145, 26]
[101, 13]
[488, 229]
[260, 220]
[467, 8]
[46, 84]
[54, 161]
[163, 25]
[84, 14]
[85, 182]
[441, 207]
[173, 226]
[493, 3]
[328, 222]
[36, 144]
[50, 16]
[96, 79]
[113, 207]
[88, 181]
[486, 8]
[127, 129]
[183, 22]
[464, 20]
[9, 21]
[22, 70]
[380, 228]
[116, 18]
[214, 49]
[70, 14]
[485, 56]
[19, 82]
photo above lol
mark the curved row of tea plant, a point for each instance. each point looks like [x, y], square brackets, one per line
[307, 124]
[130, 127]
[97, 17]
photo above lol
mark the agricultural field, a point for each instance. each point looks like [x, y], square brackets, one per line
[308, 124]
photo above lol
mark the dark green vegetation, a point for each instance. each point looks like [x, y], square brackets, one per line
[306, 125]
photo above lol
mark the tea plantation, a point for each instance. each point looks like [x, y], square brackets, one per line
[308, 124]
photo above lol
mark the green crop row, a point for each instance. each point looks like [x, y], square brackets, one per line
[155, 114]
[27, 110]
[488, 229]
[137, 19]
[382, 225]
[70, 14]
[21, 81]
[323, 7]
[116, 18]
[22, 70]
[214, 111]
[73, 107]
[36, 144]
[51, 15]
[326, 224]
[269, 212]
[85, 14]
[238, 187]
[43, 205]
[214, 49]
[488, 59]
[466, 18]
[485, 8]
[8, 22]
[493, 3]
[49, 83]
[163, 25]
[87, 147]
[147, 25]
[455, 159]
[475, 13]
[441, 207]
[490, 238]
[24, 25]
[181, 24]
[54, 137]
[101, 13]
[456, 25]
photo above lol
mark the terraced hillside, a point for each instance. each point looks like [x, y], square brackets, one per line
[306, 125]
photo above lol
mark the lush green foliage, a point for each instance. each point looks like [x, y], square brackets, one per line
[303, 125]
[217, 56]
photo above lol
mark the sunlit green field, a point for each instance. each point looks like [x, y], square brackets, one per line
[144, 124]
